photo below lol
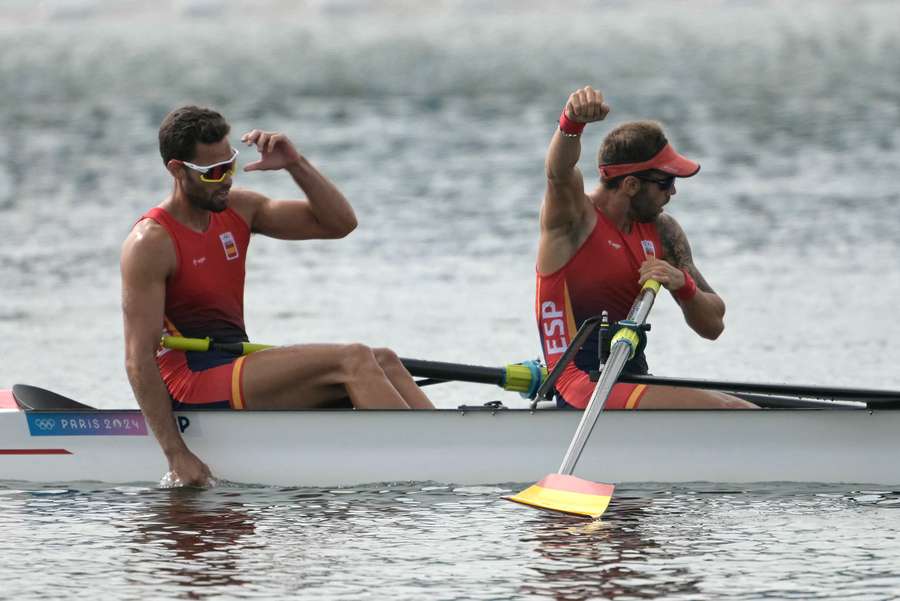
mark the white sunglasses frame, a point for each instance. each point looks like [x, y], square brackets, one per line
[204, 169]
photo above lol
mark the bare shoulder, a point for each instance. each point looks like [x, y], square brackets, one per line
[149, 250]
[246, 202]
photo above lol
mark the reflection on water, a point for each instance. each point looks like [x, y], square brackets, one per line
[199, 545]
[609, 558]
[411, 540]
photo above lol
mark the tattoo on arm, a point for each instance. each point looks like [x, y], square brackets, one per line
[678, 250]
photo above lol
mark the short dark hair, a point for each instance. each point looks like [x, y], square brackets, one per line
[632, 142]
[184, 127]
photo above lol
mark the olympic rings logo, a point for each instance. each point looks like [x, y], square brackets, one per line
[46, 424]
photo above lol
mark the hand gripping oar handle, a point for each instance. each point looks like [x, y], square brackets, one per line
[516, 377]
[622, 347]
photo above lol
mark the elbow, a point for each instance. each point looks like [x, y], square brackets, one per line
[712, 329]
[345, 227]
[351, 224]
[712, 324]
[714, 332]
[137, 362]
[132, 368]
[336, 229]
[708, 327]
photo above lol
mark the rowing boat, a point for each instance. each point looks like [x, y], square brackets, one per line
[817, 442]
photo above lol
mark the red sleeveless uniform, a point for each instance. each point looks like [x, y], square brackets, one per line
[205, 298]
[601, 275]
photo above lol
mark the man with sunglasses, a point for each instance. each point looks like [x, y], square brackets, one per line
[183, 275]
[596, 249]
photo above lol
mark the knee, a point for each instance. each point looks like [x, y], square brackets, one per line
[390, 363]
[357, 358]
[386, 357]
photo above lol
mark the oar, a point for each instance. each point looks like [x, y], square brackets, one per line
[800, 390]
[562, 491]
[528, 376]
[523, 377]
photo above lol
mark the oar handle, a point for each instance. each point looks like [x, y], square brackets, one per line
[524, 377]
[202, 345]
[515, 377]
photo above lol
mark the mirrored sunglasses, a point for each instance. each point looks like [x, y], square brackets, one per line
[217, 172]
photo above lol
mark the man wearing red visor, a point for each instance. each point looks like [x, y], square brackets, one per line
[596, 249]
[183, 275]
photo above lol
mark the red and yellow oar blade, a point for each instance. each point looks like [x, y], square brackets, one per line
[567, 494]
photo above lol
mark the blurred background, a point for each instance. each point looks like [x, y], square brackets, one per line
[433, 118]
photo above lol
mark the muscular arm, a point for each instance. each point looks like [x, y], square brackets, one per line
[147, 258]
[705, 312]
[325, 213]
[565, 211]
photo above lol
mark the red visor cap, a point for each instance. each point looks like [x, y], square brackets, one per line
[666, 160]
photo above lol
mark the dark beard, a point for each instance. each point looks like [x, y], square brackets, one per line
[201, 199]
[643, 209]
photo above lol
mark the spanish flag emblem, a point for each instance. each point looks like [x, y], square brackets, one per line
[230, 246]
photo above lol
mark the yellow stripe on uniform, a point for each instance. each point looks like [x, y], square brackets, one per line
[571, 328]
[237, 397]
[635, 396]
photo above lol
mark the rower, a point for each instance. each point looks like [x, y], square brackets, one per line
[597, 249]
[183, 275]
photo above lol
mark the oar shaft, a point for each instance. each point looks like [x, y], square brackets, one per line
[455, 371]
[623, 345]
[618, 357]
[641, 309]
[800, 390]
[524, 378]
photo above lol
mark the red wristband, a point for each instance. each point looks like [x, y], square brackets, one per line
[689, 290]
[569, 127]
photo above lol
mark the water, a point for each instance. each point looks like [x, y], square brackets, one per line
[444, 542]
[434, 119]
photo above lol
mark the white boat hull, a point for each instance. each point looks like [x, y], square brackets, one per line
[342, 448]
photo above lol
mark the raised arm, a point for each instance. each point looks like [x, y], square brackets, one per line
[325, 213]
[703, 309]
[566, 206]
[147, 259]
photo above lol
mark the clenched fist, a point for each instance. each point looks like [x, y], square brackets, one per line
[586, 106]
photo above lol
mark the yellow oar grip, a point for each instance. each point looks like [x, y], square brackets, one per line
[629, 336]
[202, 345]
[252, 347]
[179, 343]
[653, 285]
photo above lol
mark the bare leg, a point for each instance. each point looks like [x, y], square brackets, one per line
[400, 378]
[673, 397]
[307, 376]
